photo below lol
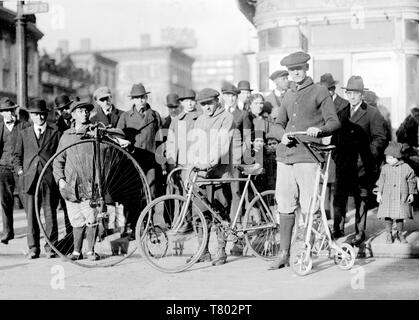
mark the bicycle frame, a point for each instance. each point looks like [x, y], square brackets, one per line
[194, 192]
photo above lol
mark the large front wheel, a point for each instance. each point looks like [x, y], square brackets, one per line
[261, 229]
[104, 186]
[164, 241]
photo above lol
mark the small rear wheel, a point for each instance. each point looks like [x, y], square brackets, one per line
[301, 261]
[169, 242]
[346, 258]
[261, 231]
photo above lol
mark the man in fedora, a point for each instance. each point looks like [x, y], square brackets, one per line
[244, 93]
[306, 107]
[330, 83]
[280, 78]
[105, 111]
[35, 145]
[140, 125]
[363, 138]
[10, 127]
[62, 105]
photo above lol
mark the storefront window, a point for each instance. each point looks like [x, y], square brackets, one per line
[412, 30]
[264, 76]
[280, 37]
[412, 80]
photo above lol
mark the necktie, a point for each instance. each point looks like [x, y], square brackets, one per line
[352, 110]
[39, 133]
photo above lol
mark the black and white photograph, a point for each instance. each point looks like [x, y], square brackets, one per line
[209, 155]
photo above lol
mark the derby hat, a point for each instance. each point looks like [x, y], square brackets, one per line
[328, 81]
[172, 100]
[62, 102]
[207, 94]
[37, 105]
[355, 83]
[81, 104]
[278, 74]
[229, 88]
[138, 90]
[244, 85]
[295, 59]
[6, 104]
[102, 92]
[187, 94]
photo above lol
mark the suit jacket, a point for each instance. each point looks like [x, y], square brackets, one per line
[99, 116]
[31, 155]
[62, 124]
[340, 103]
[19, 126]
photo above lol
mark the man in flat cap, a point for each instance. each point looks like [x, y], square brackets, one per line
[10, 127]
[244, 93]
[140, 125]
[280, 78]
[105, 111]
[212, 150]
[362, 138]
[306, 107]
[35, 145]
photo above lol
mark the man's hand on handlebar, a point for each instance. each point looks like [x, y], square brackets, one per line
[286, 140]
[313, 131]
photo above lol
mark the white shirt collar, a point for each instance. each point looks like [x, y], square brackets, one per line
[9, 126]
[36, 128]
[334, 96]
[355, 108]
[240, 104]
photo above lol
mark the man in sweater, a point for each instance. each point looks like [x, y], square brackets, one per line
[306, 107]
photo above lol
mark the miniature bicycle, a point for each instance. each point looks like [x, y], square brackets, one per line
[108, 179]
[316, 232]
[167, 249]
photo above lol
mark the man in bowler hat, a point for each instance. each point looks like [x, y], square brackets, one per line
[10, 127]
[365, 124]
[62, 105]
[140, 125]
[306, 107]
[35, 145]
[275, 97]
[244, 93]
[105, 111]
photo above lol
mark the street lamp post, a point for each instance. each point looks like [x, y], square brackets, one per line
[22, 92]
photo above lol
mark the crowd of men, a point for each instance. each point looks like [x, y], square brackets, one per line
[204, 129]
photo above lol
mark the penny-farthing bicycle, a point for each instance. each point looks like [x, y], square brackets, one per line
[108, 181]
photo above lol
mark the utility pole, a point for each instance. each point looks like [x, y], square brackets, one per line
[22, 83]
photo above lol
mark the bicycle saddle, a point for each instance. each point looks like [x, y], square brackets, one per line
[321, 147]
[252, 169]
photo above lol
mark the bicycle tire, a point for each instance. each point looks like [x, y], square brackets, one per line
[171, 262]
[264, 242]
[129, 165]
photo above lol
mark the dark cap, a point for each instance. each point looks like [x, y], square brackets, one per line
[6, 104]
[38, 105]
[62, 102]
[394, 149]
[278, 74]
[244, 85]
[81, 104]
[187, 94]
[172, 100]
[295, 59]
[207, 94]
[328, 81]
[229, 88]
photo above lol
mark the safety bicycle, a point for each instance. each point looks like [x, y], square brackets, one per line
[108, 181]
[313, 238]
[168, 249]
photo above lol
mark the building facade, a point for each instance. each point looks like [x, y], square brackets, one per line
[162, 70]
[8, 63]
[212, 71]
[378, 40]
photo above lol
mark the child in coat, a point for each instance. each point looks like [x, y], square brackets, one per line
[396, 187]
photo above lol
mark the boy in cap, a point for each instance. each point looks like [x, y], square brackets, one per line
[35, 145]
[306, 107]
[280, 78]
[105, 111]
[10, 127]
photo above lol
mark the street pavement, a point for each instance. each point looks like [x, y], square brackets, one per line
[241, 278]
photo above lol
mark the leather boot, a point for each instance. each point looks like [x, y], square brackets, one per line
[206, 256]
[389, 236]
[281, 261]
[399, 235]
[221, 257]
